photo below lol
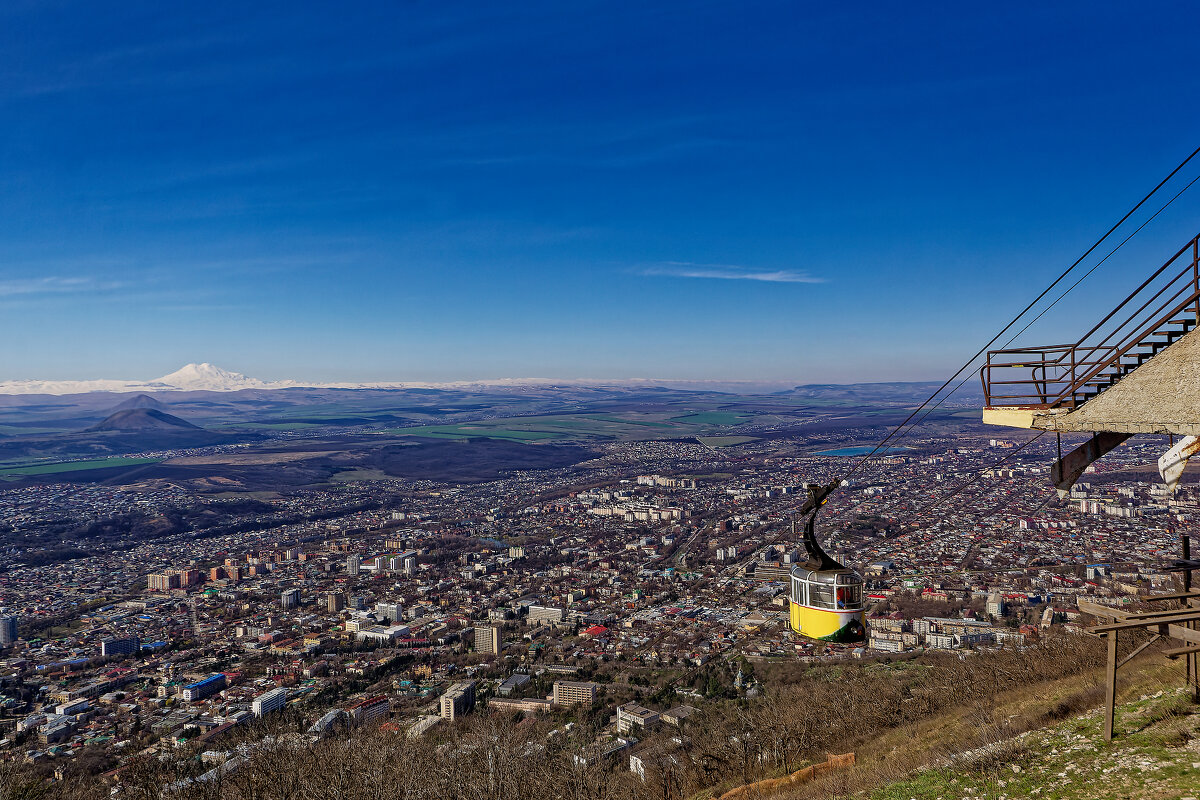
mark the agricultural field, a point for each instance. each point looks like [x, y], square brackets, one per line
[13, 473]
[585, 427]
[711, 418]
[279, 426]
[476, 430]
[270, 441]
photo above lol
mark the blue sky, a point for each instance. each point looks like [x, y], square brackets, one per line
[436, 191]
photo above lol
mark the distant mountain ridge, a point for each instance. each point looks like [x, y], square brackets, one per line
[189, 378]
[206, 377]
[883, 392]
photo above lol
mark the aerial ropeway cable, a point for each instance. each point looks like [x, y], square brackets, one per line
[906, 426]
[862, 461]
[1055, 302]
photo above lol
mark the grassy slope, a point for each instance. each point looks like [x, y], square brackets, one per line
[1045, 741]
[1157, 755]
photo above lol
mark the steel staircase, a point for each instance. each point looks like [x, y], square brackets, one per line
[1152, 318]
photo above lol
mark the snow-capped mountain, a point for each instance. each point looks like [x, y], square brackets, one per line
[190, 378]
[208, 378]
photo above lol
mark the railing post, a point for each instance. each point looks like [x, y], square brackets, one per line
[1073, 379]
[1096, 351]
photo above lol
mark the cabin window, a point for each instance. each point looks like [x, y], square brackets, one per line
[820, 596]
[849, 596]
[798, 594]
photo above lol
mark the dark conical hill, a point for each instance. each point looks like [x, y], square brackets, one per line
[144, 419]
[139, 401]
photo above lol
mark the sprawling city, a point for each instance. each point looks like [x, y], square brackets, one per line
[648, 400]
[628, 592]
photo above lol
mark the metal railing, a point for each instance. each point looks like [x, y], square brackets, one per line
[1162, 309]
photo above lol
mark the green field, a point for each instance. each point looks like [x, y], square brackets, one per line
[73, 466]
[542, 428]
[611, 426]
[279, 426]
[712, 418]
[621, 421]
[474, 431]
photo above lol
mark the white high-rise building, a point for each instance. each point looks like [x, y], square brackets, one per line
[392, 612]
[270, 701]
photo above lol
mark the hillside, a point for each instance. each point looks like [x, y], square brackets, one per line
[143, 419]
[1043, 741]
[139, 401]
[132, 430]
[1158, 756]
[994, 725]
[890, 393]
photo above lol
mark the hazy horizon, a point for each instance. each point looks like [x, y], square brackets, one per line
[206, 371]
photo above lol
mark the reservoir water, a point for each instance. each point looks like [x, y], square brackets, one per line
[862, 451]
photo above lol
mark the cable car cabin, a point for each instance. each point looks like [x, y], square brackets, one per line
[827, 604]
[827, 598]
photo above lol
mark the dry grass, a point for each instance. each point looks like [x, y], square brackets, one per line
[981, 741]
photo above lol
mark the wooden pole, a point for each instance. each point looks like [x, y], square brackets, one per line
[1192, 679]
[1110, 694]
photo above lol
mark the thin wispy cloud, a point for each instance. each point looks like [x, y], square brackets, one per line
[24, 287]
[729, 272]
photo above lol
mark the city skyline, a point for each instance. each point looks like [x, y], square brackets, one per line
[680, 192]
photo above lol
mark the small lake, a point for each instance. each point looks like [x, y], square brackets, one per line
[862, 451]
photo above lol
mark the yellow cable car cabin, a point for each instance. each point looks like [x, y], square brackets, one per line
[827, 604]
[826, 597]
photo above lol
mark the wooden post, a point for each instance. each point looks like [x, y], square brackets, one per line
[1192, 681]
[1110, 694]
